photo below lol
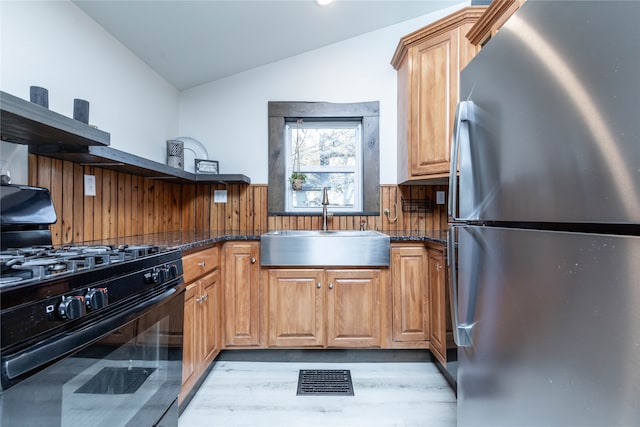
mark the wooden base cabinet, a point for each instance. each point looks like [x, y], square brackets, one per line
[420, 312]
[202, 328]
[190, 342]
[354, 308]
[325, 308]
[438, 302]
[410, 293]
[242, 302]
[296, 300]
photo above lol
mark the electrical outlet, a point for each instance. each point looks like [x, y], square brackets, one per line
[90, 185]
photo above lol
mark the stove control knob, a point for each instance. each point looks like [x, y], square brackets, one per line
[173, 271]
[97, 298]
[71, 307]
[163, 274]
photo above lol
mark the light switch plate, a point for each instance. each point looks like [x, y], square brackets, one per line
[440, 197]
[220, 196]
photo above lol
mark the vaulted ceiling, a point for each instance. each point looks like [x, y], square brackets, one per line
[194, 42]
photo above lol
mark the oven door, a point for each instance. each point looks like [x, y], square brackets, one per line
[124, 371]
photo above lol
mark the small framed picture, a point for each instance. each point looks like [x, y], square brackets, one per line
[207, 166]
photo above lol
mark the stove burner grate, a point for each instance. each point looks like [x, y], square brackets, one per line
[43, 262]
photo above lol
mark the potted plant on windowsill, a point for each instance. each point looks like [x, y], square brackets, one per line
[297, 179]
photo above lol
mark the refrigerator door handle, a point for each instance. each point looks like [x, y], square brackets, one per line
[463, 112]
[461, 332]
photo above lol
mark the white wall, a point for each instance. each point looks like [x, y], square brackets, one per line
[57, 46]
[229, 116]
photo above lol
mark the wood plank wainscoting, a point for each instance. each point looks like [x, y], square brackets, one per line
[128, 205]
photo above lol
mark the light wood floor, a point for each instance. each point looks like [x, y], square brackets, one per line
[264, 394]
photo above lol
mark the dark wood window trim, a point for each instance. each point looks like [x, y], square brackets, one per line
[369, 112]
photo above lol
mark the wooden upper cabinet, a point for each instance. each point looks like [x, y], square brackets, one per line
[428, 62]
[497, 13]
[241, 299]
[436, 86]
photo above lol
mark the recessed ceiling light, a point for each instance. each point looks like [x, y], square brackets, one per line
[323, 2]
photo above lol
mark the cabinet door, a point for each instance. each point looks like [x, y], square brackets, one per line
[438, 336]
[209, 307]
[410, 288]
[434, 93]
[296, 308]
[429, 62]
[353, 308]
[189, 343]
[241, 294]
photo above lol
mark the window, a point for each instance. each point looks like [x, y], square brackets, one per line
[338, 149]
[329, 155]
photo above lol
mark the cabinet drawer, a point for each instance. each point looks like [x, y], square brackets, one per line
[199, 263]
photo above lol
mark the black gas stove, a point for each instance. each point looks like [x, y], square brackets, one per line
[44, 289]
[78, 321]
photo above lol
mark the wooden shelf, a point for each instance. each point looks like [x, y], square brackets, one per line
[26, 123]
[110, 158]
[50, 134]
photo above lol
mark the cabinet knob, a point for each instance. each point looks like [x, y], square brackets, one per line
[330, 285]
[202, 264]
[438, 267]
[318, 285]
[253, 260]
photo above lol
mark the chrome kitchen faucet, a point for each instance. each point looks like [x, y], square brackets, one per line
[325, 203]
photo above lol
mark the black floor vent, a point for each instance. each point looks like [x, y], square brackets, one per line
[116, 381]
[325, 382]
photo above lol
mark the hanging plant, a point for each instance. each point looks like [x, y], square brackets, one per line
[297, 178]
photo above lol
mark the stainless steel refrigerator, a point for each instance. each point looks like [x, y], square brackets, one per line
[545, 239]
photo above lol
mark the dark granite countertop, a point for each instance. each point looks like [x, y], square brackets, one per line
[182, 240]
[189, 240]
[432, 236]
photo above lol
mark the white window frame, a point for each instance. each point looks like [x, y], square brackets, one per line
[357, 169]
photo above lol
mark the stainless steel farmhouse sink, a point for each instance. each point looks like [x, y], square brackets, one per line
[324, 248]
